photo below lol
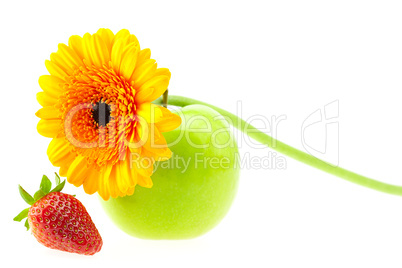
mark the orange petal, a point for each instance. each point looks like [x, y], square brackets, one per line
[78, 171]
[91, 182]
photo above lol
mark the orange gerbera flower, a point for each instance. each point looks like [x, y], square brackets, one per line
[97, 108]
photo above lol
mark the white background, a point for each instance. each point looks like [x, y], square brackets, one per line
[279, 58]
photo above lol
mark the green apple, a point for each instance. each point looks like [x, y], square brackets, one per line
[192, 191]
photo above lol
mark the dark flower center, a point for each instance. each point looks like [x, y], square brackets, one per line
[101, 113]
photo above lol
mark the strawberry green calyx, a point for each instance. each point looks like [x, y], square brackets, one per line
[45, 188]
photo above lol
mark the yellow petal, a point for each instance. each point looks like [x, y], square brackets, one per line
[59, 152]
[113, 187]
[99, 51]
[120, 181]
[127, 171]
[163, 71]
[128, 38]
[150, 112]
[143, 55]
[69, 56]
[143, 95]
[55, 70]
[45, 100]
[49, 128]
[121, 35]
[58, 60]
[157, 154]
[52, 85]
[117, 55]
[145, 181]
[158, 84]
[128, 61]
[144, 72]
[104, 185]
[107, 36]
[48, 112]
[75, 42]
[130, 191]
[86, 49]
[169, 120]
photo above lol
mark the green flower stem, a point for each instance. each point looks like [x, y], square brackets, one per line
[288, 150]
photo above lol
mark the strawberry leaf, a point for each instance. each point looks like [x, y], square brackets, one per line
[27, 197]
[59, 187]
[39, 194]
[57, 179]
[23, 214]
[45, 184]
[27, 224]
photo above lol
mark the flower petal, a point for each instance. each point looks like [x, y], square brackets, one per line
[55, 70]
[49, 128]
[58, 60]
[107, 36]
[104, 185]
[48, 112]
[59, 152]
[143, 55]
[75, 42]
[91, 182]
[163, 71]
[150, 112]
[69, 56]
[158, 84]
[116, 178]
[144, 72]
[117, 55]
[78, 171]
[99, 51]
[169, 120]
[52, 85]
[128, 38]
[86, 49]
[145, 181]
[45, 99]
[129, 61]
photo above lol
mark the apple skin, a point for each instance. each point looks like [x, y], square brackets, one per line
[184, 203]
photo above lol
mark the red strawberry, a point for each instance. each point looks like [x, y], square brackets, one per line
[59, 220]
